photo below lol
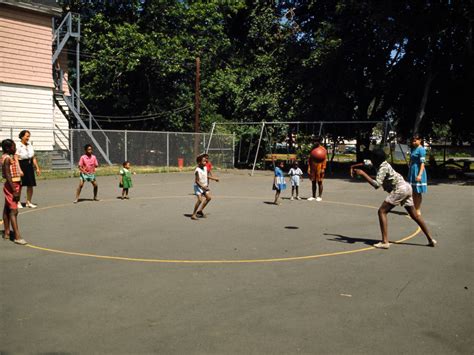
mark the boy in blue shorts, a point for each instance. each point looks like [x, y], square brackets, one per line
[87, 165]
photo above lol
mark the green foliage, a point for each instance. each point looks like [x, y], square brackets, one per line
[274, 60]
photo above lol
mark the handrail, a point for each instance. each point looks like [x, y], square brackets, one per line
[57, 136]
[61, 25]
[60, 130]
[91, 116]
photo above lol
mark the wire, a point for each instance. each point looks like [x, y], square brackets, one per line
[143, 118]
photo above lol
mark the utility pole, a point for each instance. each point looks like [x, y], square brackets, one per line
[197, 107]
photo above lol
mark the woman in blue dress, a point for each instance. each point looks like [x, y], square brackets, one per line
[417, 173]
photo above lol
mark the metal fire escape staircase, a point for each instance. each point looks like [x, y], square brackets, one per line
[71, 106]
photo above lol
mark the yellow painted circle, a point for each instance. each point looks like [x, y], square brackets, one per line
[219, 261]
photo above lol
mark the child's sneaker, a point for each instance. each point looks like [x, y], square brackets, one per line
[291, 199]
[20, 241]
[319, 198]
[433, 243]
[31, 205]
[311, 198]
[20, 205]
[298, 198]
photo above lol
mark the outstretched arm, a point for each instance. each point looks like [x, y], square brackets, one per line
[367, 178]
[355, 166]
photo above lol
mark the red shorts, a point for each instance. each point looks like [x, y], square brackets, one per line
[315, 172]
[9, 202]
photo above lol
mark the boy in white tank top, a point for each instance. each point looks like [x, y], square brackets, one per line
[201, 188]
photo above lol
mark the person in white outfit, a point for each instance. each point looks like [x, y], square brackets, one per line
[28, 165]
[296, 175]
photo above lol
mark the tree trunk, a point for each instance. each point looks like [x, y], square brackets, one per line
[421, 110]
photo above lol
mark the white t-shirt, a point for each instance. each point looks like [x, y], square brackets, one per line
[295, 172]
[25, 151]
[202, 175]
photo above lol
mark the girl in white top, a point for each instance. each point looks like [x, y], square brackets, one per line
[296, 174]
[201, 188]
[28, 165]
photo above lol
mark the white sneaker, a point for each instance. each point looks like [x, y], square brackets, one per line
[20, 205]
[310, 198]
[298, 198]
[30, 205]
[291, 199]
[318, 199]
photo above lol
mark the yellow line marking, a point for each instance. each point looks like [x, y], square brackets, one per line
[221, 261]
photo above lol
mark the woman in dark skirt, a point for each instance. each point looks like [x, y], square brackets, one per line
[28, 165]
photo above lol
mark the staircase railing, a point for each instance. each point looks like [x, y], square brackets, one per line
[89, 124]
[69, 27]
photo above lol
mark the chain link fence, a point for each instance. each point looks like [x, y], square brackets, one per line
[62, 148]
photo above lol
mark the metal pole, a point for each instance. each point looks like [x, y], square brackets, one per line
[210, 137]
[126, 146]
[78, 69]
[320, 129]
[233, 150]
[71, 148]
[258, 148]
[168, 150]
[197, 107]
[11, 133]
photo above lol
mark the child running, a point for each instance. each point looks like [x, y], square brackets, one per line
[87, 165]
[125, 179]
[296, 174]
[400, 193]
[279, 182]
[11, 189]
[201, 188]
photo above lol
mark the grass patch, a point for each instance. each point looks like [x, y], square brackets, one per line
[110, 170]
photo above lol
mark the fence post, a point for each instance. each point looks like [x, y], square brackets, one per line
[71, 148]
[11, 133]
[258, 147]
[233, 150]
[168, 150]
[126, 147]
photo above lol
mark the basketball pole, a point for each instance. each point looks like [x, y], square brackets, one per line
[258, 147]
[210, 137]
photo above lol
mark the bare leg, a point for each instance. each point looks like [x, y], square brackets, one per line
[123, 194]
[14, 223]
[79, 188]
[29, 194]
[293, 191]
[126, 193]
[6, 222]
[313, 186]
[206, 201]
[320, 186]
[277, 195]
[417, 199]
[196, 206]
[383, 210]
[297, 191]
[419, 220]
[96, 189]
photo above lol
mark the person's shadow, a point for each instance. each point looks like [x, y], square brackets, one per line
[350, 240]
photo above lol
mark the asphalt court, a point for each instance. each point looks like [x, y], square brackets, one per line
[140, 276]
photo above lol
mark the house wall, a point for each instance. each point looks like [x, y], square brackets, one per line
[26, 77]
[25, 47]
